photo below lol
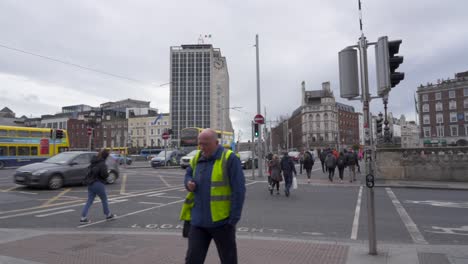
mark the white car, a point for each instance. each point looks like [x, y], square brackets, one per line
[185, 160]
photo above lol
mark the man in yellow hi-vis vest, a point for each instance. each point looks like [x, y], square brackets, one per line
[216, 186]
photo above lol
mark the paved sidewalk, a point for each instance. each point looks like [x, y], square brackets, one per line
[57, 247]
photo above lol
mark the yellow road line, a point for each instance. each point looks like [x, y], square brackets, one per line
[10, 189]
[123, 184]
[53, 199]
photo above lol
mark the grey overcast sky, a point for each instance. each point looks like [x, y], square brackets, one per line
[299, 40]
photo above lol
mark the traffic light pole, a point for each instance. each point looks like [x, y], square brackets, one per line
[369, 143]
[259, 140]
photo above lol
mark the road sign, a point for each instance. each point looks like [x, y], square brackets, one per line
[259, 119]
[90, 131]
[165, 136]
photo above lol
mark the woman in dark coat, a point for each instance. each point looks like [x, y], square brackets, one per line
[276, 176]
[287, 167]
[308, 164]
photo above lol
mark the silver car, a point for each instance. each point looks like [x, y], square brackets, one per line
[66, 168]
[185, 160]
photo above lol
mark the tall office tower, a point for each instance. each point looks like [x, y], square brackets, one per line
[199, 84]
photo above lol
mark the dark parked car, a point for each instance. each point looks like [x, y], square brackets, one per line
[66, 168]
[171, 158]
[246, 159]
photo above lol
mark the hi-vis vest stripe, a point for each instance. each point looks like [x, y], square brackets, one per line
[220, 193]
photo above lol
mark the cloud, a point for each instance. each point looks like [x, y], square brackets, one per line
[299, 40]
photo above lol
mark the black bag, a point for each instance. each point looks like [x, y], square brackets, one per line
[186, 229]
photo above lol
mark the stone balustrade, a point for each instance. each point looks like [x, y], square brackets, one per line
[425, 164]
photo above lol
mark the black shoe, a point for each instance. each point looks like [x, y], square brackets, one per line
[287, 193]
[84, 221]
[111, 217]
[271, 191]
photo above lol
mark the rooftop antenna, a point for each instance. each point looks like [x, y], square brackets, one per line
[360, 17]
[201, 38]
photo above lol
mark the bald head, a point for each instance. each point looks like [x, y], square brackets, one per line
[208, 142]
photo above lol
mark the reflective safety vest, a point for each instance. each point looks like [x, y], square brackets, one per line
[220, 193]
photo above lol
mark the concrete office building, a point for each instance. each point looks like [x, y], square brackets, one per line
[199, 88]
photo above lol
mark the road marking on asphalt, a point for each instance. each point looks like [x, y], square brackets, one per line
[462, 231]
[123, 184]
[133, 213]
[163, 180]
[56, 213]
[357, 213]
[448, 204]
[118, 201]
[10, 189]
[55, 198]
[409, 223]
[28, 192]
[30, 212]
[312, 233]
[151, 203]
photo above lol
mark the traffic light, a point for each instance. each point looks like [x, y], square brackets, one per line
[386, 64]
[256, 130]
[58, 133]
[51, 133]
[379, 124]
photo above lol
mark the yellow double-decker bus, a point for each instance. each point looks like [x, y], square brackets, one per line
[189, 138]
[23, 145]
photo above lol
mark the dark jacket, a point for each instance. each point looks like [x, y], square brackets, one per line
[308, 161]
[341, 161]
[201, 212]
[287, 166]
[97, 171]
[330, 161]
[351, 159]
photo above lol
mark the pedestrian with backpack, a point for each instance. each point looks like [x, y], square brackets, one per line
[341, 164]
[308, 164]
[330, 161]
[96, 180]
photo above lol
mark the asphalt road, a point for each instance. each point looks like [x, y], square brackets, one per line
[149, 199]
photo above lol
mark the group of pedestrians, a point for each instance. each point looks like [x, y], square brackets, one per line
[278, 169]
[331, 159]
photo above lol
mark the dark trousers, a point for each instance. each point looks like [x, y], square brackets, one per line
[309, 173]
[273, 183]
[199, 241]
[287, 182]
[341, 171]
[323, 166]
[331, 173]
[300, 167]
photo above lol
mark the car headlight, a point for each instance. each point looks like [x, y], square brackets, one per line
[39, 172]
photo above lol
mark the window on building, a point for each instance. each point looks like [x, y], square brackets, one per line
[426, 120]
[452, 104]
[466, 130]
[425, 97]
[466, 117]
[438, 106]
[440, 131]
[465, 92]
[439, 118]
[454, 131]
[465, 103]
[438, 96]
[451, 94]
[425, 108]
[453, 117]
[427, 132]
